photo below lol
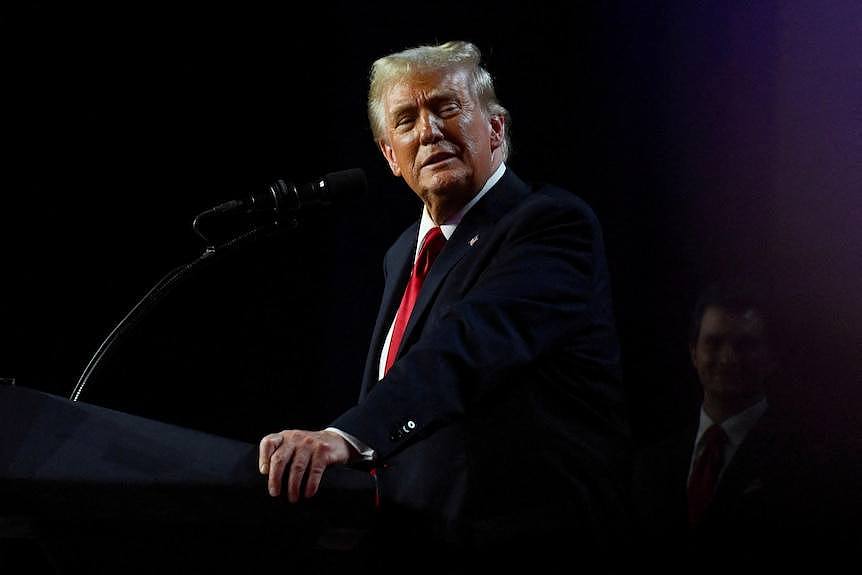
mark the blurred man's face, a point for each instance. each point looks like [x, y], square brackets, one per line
[731, 355]
[439, 139]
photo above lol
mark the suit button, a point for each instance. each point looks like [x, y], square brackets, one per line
[399, 433]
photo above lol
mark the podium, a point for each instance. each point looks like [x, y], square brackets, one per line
[95, 490]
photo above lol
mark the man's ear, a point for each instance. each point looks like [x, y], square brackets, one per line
[692, 352]
[389, 154]
[498, 130]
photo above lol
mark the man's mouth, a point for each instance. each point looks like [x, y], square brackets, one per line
[436, 158]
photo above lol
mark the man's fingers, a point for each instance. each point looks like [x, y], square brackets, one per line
[297, 472]
[315, 473]
[277, 463]
[268, 445]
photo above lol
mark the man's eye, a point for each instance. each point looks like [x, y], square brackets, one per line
[404, 122]
[712, 343]
[449, 109]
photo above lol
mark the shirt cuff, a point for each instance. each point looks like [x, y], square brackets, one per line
[365, 453]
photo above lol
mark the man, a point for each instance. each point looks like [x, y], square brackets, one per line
[491, 405]
[727, 488]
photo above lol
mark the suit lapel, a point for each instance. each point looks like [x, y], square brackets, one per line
[744, 472]
[402, 262]
[677, 478]
[398, 265]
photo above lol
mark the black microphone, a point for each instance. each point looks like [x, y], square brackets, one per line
[283, 198]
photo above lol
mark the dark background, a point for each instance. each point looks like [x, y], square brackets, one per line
[713, 139]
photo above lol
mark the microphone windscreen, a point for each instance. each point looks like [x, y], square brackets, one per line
[346, 186]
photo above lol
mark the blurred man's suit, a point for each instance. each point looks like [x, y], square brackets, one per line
[761, 513]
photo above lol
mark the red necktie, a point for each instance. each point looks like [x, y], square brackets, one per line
[431, 246]
[704, 474]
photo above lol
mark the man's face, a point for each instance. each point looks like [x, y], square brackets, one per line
[438, 138]
[731, 355]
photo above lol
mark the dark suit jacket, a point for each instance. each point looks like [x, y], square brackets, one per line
[503, 415]
[760, 510]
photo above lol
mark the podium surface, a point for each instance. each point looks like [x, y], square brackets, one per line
[90, 486]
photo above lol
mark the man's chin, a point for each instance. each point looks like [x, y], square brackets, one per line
[736, 389]
[446, 183]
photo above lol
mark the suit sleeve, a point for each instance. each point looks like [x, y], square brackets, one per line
[529, 295]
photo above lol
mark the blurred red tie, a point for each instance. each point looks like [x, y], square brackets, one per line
[431, 246]
[704, 474]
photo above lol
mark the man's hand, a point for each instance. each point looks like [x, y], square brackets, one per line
[303, 453]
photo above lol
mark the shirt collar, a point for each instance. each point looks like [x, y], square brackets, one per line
[448, 227]
[736, 427]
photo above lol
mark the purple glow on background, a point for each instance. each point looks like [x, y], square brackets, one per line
[768, 124]
[818, 171]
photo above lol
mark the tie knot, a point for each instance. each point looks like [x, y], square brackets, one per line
[714, 436]
[434, 237]
[431, 247]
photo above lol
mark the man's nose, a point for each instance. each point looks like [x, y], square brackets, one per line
[727, 354]
[430, 129]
